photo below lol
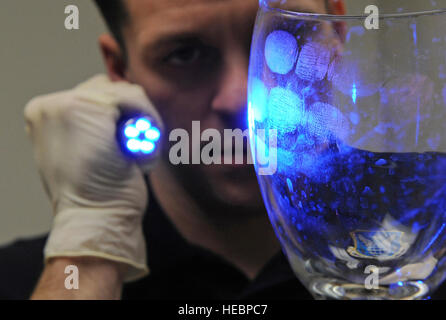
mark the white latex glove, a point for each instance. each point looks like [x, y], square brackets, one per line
[98, 196]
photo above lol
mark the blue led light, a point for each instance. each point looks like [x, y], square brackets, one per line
[153, 134]
[281, 51]
[143, 125]
[147, 147]
[134, 145]
[400, 283]
[131, 132]
[138, 135]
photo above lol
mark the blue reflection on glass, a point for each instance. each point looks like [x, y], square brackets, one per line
[434, 238]
[258, 99]
[354, 93]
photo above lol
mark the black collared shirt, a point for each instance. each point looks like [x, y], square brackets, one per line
[179, 270]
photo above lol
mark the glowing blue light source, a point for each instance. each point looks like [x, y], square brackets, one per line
[143, 124]
[138, 135]
[153, 134]
[134, 145]
[400, 283]
[281, 51]
[131, 132]
[147, 147]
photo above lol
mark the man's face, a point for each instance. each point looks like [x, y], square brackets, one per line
[192, 56]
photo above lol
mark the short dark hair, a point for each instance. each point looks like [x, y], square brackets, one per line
[116, 16]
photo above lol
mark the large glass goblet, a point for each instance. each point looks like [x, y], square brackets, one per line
[348, 135]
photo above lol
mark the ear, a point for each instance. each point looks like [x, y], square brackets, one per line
[113, 58]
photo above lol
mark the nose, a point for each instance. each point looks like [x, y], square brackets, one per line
[231, 97]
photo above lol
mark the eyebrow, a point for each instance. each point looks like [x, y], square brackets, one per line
[179, 37]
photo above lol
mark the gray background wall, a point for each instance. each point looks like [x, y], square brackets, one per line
[37, 55]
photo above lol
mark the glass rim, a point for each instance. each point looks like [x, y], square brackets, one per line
[333, 17]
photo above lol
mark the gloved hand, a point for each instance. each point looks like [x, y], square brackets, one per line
[98, 196]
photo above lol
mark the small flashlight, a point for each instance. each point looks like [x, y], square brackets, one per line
[139, 136]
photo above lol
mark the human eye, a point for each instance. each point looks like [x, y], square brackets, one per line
[191, 54]
[184, 60]
[185, 55]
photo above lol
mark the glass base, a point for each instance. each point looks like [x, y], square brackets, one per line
[328, 289]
